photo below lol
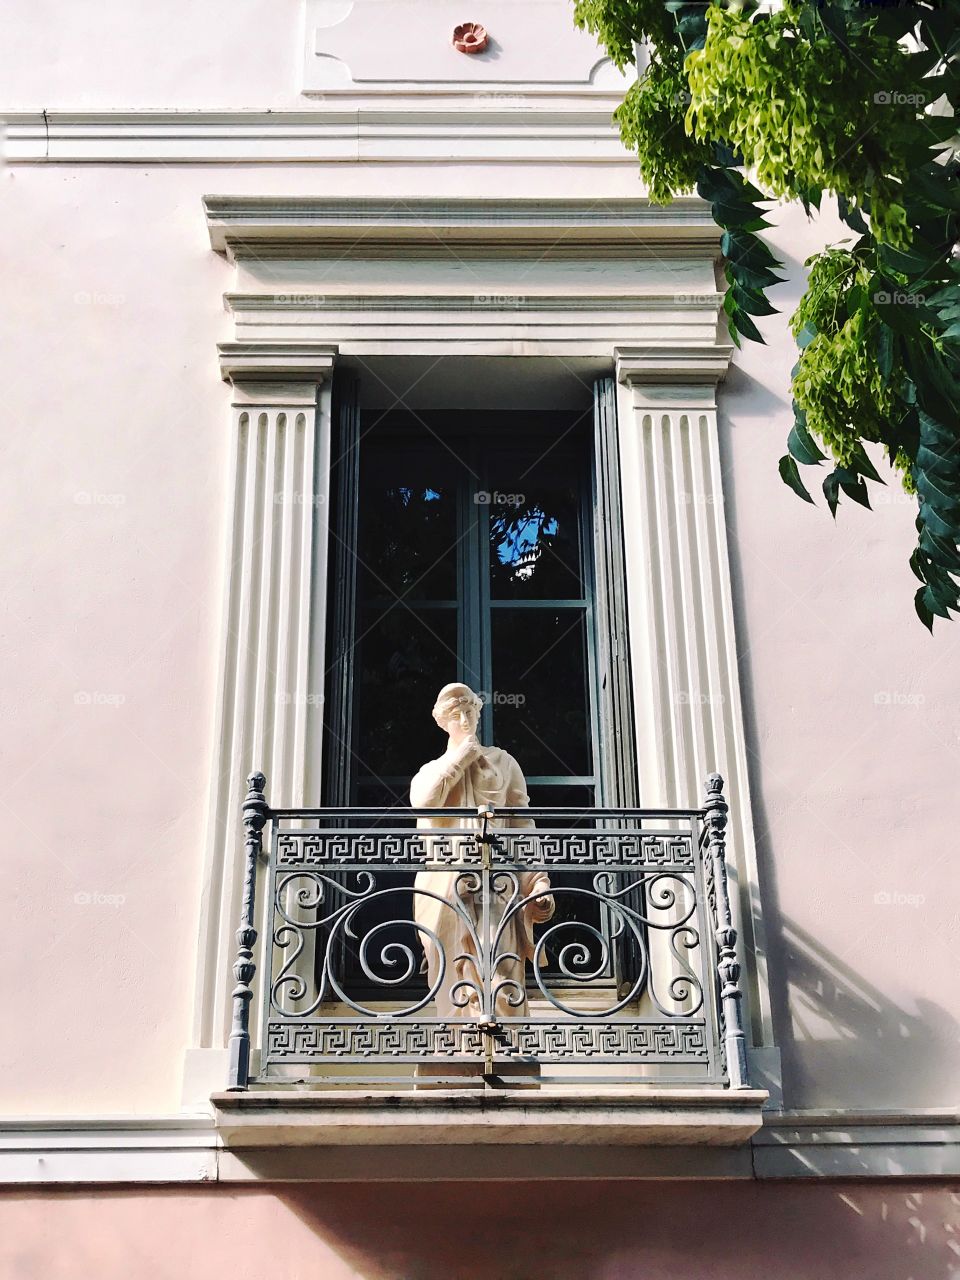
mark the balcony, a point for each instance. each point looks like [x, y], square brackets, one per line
[522, 976]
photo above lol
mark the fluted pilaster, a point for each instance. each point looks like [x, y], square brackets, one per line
[686, 681]
[271, 673]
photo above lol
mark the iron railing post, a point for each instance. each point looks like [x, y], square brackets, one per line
[255, 814]
[728, 967]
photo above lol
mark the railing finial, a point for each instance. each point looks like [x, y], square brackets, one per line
[256, 811]
[728, 966]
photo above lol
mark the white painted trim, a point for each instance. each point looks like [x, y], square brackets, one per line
[108, 1150]
[248, 226]
[689, 719]
[276, 549]
[464, 130]
[142, 1150]
[837, 1144]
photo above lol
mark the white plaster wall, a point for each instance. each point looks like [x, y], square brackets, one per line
[107, 55]
[853, 735]
[111, 313]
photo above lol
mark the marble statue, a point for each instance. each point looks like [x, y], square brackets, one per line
[469, 775]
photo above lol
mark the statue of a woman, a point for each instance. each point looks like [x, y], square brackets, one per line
[469, 775]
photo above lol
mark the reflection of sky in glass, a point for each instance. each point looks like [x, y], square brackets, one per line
[520, 546]
[429, 495]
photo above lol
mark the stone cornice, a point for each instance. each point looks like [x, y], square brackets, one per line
[305, 301]
[641, 366]
[247, 226]
[276, 361]
[448, 127]
[883, 1146]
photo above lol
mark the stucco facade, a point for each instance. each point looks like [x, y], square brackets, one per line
[835, 711]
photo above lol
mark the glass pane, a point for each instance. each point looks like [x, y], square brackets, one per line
[540, 701]
[535, 551]
[408, 524]
[405, 656]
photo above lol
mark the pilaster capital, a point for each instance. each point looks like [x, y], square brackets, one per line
[672, 365]
[282, 375]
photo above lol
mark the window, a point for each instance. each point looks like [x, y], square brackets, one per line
[473, 562]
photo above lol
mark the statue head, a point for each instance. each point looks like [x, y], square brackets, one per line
[457, 710]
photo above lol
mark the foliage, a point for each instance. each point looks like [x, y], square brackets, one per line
[854, 98]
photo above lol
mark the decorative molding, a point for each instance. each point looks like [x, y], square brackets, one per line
[302, 302]
[132, 1150]
[688, 1117]
[689, 720]
[838, 1144]
[272, 642]
[418, 50]
[277, 361]
[138, 1150]
[247, 226]
[641, 366]
[467, 128]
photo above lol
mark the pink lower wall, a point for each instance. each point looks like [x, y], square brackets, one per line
[497, 1231]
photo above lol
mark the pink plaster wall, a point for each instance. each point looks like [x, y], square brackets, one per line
[502, 1231]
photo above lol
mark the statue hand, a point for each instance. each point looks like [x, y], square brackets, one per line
[467, 751]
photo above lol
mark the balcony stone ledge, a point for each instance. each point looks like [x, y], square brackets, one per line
[676, 1117]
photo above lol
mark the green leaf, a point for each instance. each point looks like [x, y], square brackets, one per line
[790, 475]
[831, 491]
[923, 612]
[748, 301]
[863, 466]
[803, 446]
[915, 565]
[944, 503]
[806, 335]
[853, 486]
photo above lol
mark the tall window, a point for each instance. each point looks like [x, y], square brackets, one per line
[468, 543]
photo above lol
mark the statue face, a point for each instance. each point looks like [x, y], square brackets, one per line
[463, 722]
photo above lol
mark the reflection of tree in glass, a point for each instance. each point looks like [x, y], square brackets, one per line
[405, 530]
[521, 537]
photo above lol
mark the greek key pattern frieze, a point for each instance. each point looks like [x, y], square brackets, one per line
[350, 1041]
[594, 849]
[586, 849]
[374, 848]
[377, 1041]
[611, 1041]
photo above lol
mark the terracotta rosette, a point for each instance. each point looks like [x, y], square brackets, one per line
[470, 37]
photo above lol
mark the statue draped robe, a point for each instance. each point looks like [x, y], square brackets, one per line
[494, 779]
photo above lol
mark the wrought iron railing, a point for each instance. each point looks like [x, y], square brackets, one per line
[633, 978]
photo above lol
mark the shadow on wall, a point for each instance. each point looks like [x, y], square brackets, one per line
[843, 1041]
[629, 1230]
[609, 1230]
